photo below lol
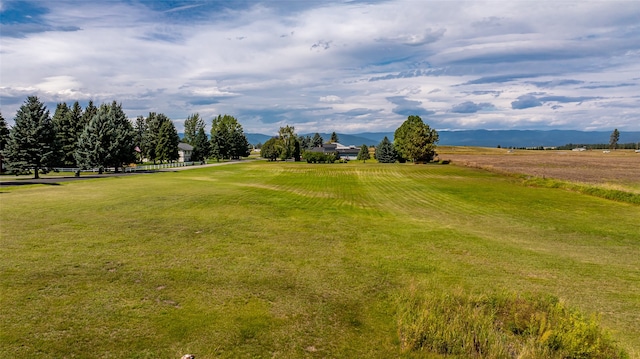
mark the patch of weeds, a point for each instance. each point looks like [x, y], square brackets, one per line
[500, 326]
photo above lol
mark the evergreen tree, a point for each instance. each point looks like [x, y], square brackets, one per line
[613, 140]
[385, 153]
[415, 141]
[66, 137]
[334, 138]
[75, 118]
[152, 135]
[123, 141]
[89, 111]
[202, 146]
[364, 153]
[31, 143]
[305, 142]
[139, 129]
[107, 140]
[317, 140]
[168, 140]
[4, 138]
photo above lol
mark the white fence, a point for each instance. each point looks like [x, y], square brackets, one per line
[130, 169]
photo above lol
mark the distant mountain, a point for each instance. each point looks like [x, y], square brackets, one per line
[485, 138]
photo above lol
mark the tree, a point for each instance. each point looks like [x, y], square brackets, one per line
[4, 138]
[152, 136]
[317, 140]
[202, 147]
[108, 140]
[66, 123]
[168, 140]
[192, 125]
[334, 137]
[289, 143]
[270, 149]
[415, 141]
[364, 153]
[31, 142]
[613, 140]
[89, 111]
[228, 139]
[305, 142]
[385, 153]
[139, 129]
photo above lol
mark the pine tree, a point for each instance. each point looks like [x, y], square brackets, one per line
[66, 137]
[364, 153]
[168, 140]
[613, 140]
[334, 138]
[317, 140]
[107, 140]
[123, 138]
[139, 129]
[31, 143]
[202, 146]
[152, 135]
[89, 111]
[385, 153]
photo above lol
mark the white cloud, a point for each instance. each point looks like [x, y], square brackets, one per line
[331, 99]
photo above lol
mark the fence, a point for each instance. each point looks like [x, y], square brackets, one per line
[129, 169]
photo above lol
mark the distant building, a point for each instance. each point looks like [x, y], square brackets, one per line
[579, 149]
[185, 151]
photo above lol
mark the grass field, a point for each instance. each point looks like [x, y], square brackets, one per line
[294, 260]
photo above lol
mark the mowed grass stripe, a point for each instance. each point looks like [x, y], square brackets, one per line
[292, 260]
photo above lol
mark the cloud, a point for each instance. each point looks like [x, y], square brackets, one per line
[331, 99]
[405, 107]
[525, 101]
[413, 39]
[556, 83]
[566, 99]
[471, 107]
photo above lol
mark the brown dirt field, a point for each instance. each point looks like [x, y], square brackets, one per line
[617, 168]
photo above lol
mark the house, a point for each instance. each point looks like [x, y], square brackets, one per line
[345, 152]
[185, 151]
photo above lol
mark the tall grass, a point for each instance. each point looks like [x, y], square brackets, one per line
[500, 326]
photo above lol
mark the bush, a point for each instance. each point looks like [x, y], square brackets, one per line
[318, 157]
[500, 326]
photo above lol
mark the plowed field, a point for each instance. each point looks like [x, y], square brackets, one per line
[595, 167]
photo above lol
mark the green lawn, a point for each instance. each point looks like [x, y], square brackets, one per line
[294, 260]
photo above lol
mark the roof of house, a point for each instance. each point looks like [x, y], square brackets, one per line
[185, 146]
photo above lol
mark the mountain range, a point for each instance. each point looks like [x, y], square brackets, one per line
[484, 138]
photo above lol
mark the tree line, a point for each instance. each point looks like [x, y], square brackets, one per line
[413, 141]
[102, 137]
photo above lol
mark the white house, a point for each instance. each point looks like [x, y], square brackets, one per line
[185, 151]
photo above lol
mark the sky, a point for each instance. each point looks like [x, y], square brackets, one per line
[332, 65]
